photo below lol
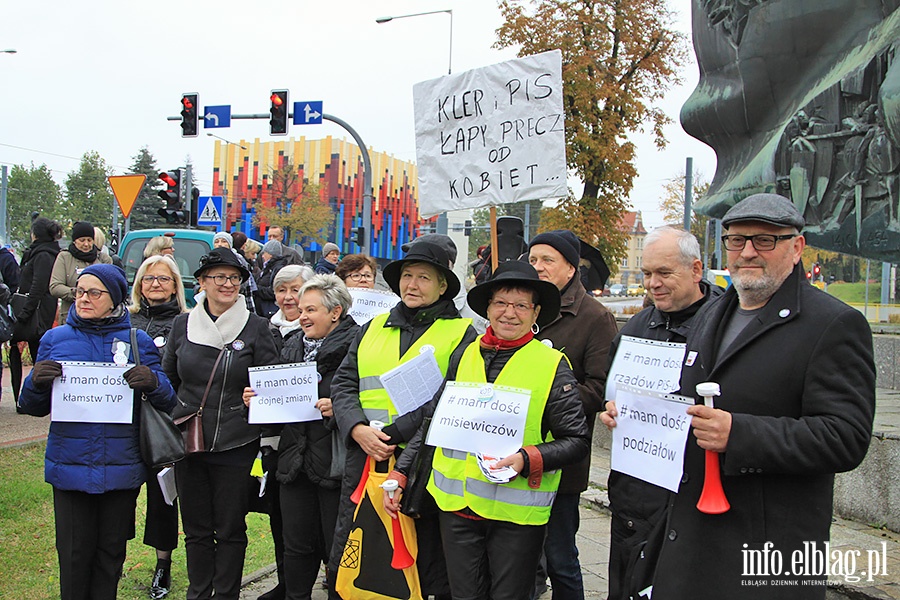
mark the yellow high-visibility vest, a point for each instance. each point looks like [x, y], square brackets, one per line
[456, 480]
[379, 352]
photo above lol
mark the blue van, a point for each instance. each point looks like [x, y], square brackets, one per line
[190, 245]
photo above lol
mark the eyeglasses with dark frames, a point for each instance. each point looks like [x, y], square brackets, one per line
[162, 279]
[223, 279]
[761, 241]
[93, 294]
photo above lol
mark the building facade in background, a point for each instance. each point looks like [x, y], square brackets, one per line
[630, 267]
[337, 167]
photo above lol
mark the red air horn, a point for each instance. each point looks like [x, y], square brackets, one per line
[712, 498]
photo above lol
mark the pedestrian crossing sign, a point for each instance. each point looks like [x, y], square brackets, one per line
[210, 210]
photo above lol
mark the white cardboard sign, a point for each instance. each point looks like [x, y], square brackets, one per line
[368, 304]
[480, 418]
[491, 135]
[91, 392]
[650, 434]
[284, 393]
[646, 364]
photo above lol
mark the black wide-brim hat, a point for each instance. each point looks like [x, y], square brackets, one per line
[423, 252]
[514, 273]
[222, 257]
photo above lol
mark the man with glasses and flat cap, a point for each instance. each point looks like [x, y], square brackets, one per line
[797, 378]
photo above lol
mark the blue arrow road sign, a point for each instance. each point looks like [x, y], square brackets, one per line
[308, 113]
[210, 210]
[215, 117]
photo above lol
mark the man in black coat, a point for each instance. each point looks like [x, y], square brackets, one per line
[797, 379]
[673, 277]
[583, 331]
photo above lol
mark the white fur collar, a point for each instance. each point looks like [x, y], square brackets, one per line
[202, 330]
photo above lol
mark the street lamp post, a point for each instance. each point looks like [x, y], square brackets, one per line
[442, 221]
[225, 181]
[449, 11]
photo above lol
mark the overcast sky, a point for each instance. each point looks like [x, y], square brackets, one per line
[104, 74]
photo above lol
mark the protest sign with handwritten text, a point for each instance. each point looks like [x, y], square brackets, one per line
[89, 392]
[491, 135]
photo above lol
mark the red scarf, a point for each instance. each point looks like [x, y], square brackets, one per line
[491, 341]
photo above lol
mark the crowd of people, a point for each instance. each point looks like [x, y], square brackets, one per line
[448, 523]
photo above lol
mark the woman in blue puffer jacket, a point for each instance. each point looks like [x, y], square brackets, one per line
[95, 468]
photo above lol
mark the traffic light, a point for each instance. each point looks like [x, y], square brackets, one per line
[174, 209]
[279, 111]
[467, 228]
[195, 206]
[817, 270]
[510, 238]
[358, 236]
[189, 118]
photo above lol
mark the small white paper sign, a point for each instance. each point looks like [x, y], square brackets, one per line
[284, 393]
[646, 364]
[413, 383]
[480, 418]
[650, 434]
[92, 392]
[368, 304]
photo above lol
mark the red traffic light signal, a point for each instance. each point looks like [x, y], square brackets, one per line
[174, 209]
[279, 110]
[189, 116]
[817, 270]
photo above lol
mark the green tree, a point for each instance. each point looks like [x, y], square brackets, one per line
[30, 189]
[88, 195]
[295, 205]
[143, 214]
[671, 204]
[618, 58]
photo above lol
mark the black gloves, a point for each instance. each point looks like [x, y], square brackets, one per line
[141, 378]
[44, 372]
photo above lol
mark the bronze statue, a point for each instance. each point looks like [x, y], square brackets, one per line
[803, 99]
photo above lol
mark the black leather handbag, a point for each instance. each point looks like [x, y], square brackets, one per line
[161, 441]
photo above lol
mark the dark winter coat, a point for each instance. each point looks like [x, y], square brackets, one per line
[9, 269]
[37, 265]
[156, 320]
[799, 382]
[265, 292]
[324, 267]
[348, 414]
[583, 331]
[307, 446]
[94, 457]
[638, 506]
[191, 351]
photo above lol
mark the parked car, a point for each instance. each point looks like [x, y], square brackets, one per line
[617, 289]
[636, 289]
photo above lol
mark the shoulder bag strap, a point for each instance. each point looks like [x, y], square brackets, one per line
[135, 351]
[209, 383]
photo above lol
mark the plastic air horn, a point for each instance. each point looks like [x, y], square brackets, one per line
[401, 559]
[712, 498]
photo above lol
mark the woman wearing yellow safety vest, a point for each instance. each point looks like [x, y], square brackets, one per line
[492, 530]
[425, 318]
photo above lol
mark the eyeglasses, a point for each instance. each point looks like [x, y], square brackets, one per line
[92, 294]
[162, 279]
[223, 279]
[519, 307]
[761, 242]
[361, 277]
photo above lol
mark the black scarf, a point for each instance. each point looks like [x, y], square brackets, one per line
[88, 257]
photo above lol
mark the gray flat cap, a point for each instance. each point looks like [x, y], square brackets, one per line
[768, 208]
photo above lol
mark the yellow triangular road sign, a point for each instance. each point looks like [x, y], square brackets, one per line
[126, 189]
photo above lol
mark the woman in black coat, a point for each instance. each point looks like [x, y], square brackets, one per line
[157, 298]
[208, 354]
[37, 265]
[309, 474]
